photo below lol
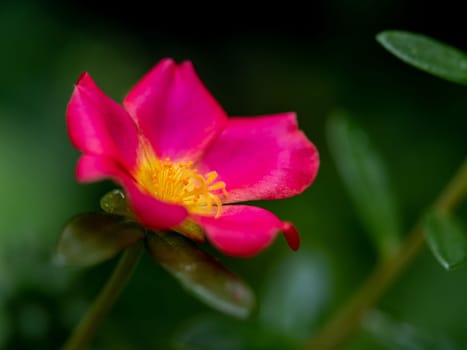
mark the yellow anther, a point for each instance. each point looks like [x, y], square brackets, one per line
[179, 182]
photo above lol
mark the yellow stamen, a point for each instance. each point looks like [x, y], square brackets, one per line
[179, 182]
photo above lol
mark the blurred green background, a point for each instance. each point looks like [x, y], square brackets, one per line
[311, 61]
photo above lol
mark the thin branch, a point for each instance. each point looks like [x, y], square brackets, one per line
[106, 299]
[349, 318]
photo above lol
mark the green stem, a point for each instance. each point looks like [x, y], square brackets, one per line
[106, 298]
[342, 325]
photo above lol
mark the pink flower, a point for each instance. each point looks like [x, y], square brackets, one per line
[183, 163]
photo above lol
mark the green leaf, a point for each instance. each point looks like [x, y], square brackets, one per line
[364, 174]
[201, 274]
[213, 332]
[446, 238]
[89, 239]
[296, 294]
[427, 54]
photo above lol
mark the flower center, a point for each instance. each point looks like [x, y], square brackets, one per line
[180, 183]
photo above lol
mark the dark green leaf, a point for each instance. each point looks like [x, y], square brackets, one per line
[295, 295]
[201, 274]
[213, 332]
[446, 238]
[89, 239]
[426, 54]
[363, 172]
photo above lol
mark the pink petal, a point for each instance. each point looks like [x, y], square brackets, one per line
[262, 158]
[91, 168]
[241, 230]
[153, 213]
[291, 235]
[98, 125]
[150, 211]
[175, 111]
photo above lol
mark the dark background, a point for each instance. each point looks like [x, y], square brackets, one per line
[255, 59]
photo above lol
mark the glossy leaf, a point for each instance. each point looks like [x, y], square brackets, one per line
[201, 274]
[213, 332]
[364, 175]
[427, 54]
[295, 294]
[446, 238]
[89, 239]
